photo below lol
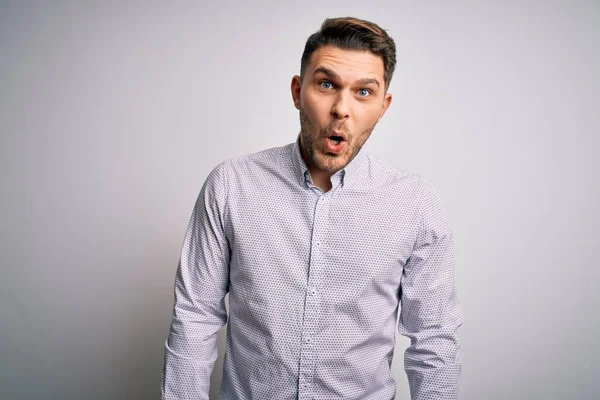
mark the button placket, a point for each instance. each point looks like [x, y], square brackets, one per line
[312, 310]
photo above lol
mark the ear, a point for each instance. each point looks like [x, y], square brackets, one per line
[387, 100]
[296, 87]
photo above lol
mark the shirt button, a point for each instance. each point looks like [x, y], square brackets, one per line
[312, 291]
[308, 340]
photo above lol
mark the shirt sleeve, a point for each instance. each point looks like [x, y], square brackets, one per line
[201, 283]
[430, 310]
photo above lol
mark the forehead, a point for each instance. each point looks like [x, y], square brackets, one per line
[347, 63]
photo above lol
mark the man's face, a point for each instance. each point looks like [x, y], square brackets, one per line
[341, 99]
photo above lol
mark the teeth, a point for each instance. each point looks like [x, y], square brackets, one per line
[335, 141]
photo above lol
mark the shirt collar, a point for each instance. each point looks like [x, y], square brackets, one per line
[352, 172]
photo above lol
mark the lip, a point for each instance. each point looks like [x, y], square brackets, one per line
[334, 148]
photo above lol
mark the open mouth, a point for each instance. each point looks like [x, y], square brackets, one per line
[336, 139]
[335, 144]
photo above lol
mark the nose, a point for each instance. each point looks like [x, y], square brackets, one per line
[341, 108]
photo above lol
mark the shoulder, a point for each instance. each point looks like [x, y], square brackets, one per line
[253, 168]
[422, 192]
[384, 172]
[270, 155]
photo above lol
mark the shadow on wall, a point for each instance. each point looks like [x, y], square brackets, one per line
[141, 360]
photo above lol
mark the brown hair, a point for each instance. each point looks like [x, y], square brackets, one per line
[350, 33]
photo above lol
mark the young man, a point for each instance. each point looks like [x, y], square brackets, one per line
[318, 244]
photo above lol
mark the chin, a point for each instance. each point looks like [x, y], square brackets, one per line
[331, 164]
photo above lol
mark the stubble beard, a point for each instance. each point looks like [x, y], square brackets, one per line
[328, 162]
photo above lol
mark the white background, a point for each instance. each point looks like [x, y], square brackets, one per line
[112, 115]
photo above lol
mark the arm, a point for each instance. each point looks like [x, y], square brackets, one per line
[201, 283]
[430, 309]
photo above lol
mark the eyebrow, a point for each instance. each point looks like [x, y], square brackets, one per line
[333, 75]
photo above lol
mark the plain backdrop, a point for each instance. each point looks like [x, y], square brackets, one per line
[112, 114]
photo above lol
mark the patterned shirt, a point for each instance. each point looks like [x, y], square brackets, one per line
[316, 281]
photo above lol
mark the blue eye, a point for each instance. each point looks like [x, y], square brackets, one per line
[365, 91]
[323, 83]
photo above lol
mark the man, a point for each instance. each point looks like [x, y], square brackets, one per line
[318, 244]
